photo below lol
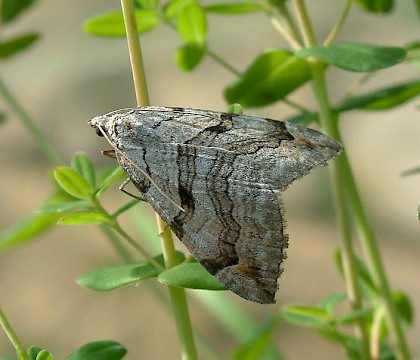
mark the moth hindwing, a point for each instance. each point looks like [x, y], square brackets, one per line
[215, 179]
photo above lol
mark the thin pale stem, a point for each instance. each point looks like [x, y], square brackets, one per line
[177, 295]
[337, 28]
[30, 125]
[222, 62]
[328, 123]
[136, 58]
[20, 350]
[304, 23]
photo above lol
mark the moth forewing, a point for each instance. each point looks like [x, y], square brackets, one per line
[215, 180]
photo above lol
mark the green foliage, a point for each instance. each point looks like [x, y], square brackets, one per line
[356, 57]
[12, 46]
[104, 350]
[10, 9]
[272, 76]
[115, 276]
[190, 276]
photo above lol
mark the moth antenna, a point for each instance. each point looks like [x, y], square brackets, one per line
[122, 154]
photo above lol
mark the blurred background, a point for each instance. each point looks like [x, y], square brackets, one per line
[69, 77]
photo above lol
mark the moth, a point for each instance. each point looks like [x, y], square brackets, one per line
[215, 179]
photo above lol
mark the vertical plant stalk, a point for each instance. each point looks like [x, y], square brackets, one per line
[328, 123]
[30, 125]
[177, 295]
[20, 350]
[344, 177]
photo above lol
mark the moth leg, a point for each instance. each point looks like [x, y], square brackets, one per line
[122, 186]
[109, 153]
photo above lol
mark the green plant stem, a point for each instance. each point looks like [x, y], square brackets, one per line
[336, 29]
[328, 123]
[345, 176]
[304, 23]
[222, 62]
[374, 262]
[116, 243]
[134, 49]
[177, 295]
[30, 125]
[290, 21]
[20, 350]
[345, 181]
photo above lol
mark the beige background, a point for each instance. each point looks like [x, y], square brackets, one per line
[70, 76]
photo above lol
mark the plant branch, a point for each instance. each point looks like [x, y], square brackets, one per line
[20, 350]
[328, 124]
[336, 29]
[177, 295]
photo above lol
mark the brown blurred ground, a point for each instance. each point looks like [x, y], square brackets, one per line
[69, 77]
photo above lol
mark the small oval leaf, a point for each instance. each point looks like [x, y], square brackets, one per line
[273, 75]
[306, 316]
[73, 183]
[104, 350]
[376, 6]
[233, 8]
[383, 98]
[28, 228]
[17, 44]
[112, 24]
[188, 56]
[10, 9]
[192, 25]
[191, 276]
[356, 56]
[83, 165]
[85, 217]
[115, 276]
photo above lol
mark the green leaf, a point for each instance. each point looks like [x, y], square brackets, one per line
[112, 24]
[376, 6]
[413, 171]
[28, 228]
[33, 352]
[116, 276]
[188, 56]
[353, 316]
[83, 165]
[10, 9]
[306, 316]
[3, 117]
[235, 109]
[404, 307]
[35, 224]
[151, 5]
[272, 76]
[44, 355]
[233, 8]
[191, 276]
[330, 302]
[192, 25]
[383, 98]
[85, 217]
[109, 177]
[174, 7]
[104, 350]
[63, 207]
[257, 347]
[417, 3]
[73, 183]
[356, 56]
[17, 44]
